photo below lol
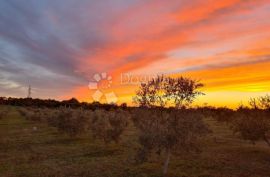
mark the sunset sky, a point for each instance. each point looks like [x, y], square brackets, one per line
[57, 47]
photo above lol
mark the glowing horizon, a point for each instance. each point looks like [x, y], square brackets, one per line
[58, 47]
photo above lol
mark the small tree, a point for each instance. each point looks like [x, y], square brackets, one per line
[108, 125]
[72, 122]
[252, 124]
[167, 130]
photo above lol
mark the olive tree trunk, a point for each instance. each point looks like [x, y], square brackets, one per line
[166, 163]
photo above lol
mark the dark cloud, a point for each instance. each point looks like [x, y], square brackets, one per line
[44, 40]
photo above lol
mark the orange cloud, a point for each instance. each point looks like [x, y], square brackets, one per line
[224, 43]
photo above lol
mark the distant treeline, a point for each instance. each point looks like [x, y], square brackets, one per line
[50, 103]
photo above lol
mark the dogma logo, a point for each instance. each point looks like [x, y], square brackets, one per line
[102, 82]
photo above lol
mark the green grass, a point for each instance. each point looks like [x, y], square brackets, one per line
[48, 153]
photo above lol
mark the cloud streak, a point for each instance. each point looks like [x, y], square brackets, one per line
[57, 46]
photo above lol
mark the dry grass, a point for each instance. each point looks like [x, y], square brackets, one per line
[32, 149]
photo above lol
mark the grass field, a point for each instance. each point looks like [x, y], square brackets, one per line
[32, 149]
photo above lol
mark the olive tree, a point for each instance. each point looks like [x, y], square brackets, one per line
[252, 124]
[167, 130]
[108, 125]
[69, 121]
[162, 91]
